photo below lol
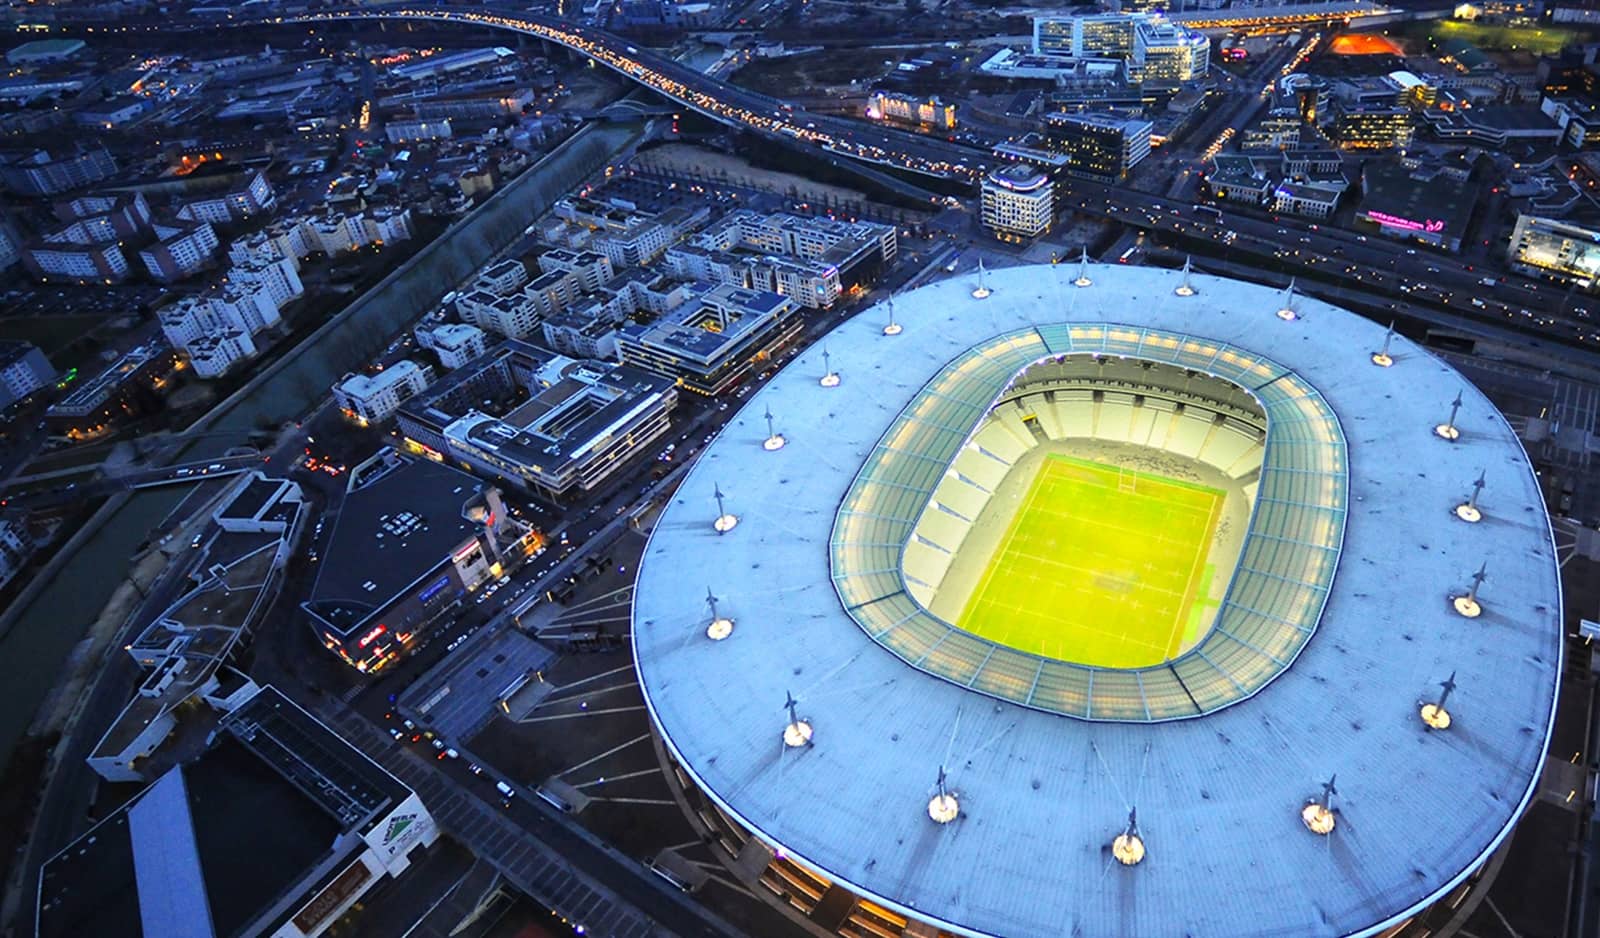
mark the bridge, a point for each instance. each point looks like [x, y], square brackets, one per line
[883, 148]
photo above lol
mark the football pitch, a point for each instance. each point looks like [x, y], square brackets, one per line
[1101, 566]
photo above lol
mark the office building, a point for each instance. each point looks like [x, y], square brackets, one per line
[1018, 202]
[1151, 48]
[1429, 204]
[910, 109]
[1098, 145]
[713, 341]
[369, 399]
[1372, 127]
[128, 388]
[1545, 247]
[1306, 199]
[570, 425]
[278, 828]
[23, 370]
[455, 343]
[412, 538]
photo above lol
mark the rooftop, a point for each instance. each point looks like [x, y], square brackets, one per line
[1043, 794]
[392, 529]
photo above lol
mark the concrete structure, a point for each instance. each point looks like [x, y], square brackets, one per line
[88, 263]
[413, 131]
[1545, 247]
[1151, 48]
[1308, 199]
[186, 648]
[16, 547]
[712, 342]
[212, 355]
[125, 388]
[1018, 202]
[277, 829]
[556, 426]
[910, 109]
[252, 198]
[181, 251]
[43, 51]
[411, 540]
[455, 343]
[41, 173]
[369, 399]
[23, 370]
[1337, 626]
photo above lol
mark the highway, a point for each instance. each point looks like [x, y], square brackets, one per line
[716, 99]
[1302, 248]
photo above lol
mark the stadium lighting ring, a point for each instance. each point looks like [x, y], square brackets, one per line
[1324, 639]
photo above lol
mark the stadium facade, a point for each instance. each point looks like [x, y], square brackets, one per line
[1296, 769]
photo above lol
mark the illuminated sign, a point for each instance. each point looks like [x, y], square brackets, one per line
[465, 552]
[435, 589]
[329, 900]
[1432, 225]
[372, 636]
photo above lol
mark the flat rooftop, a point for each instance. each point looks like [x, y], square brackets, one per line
[391, 530]
[1042, 794]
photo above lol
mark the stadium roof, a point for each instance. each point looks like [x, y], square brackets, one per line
[1042, 794]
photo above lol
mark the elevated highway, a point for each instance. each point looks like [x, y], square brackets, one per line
[884, 148]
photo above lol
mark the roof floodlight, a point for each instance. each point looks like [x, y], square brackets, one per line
[1468, 511]
[1434, 715]
[1318, 815]
[1448, 430]
[1083, 269]
[830, 378]
[982, 291]
[774, 440]
[1468, 605]
[725, 522]
[1381, 357]
[721, 626]
[893, 328]
[944, 807]
[796, 732]
[1286, 311]
[1128, 846]
[1185, 288]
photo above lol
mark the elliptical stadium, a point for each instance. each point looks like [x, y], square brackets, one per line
[1107, 601]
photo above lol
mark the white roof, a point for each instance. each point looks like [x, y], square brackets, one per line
[1043, 794]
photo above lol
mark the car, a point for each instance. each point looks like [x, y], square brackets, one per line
[438, 744]
[396, 734]
[474, 768]
[410, 726]
[197, 539]
[447, 753]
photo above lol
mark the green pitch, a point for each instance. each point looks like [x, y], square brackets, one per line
[1100, 566]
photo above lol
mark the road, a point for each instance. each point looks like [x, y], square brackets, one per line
[716, 99]
[1304, 248]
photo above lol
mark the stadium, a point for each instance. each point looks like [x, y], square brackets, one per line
[1107, 601]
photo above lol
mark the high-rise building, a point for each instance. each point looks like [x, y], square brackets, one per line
[1098, 145]
[1373, 127]
[1153, 49]
[1018, 202]
[1544, 247]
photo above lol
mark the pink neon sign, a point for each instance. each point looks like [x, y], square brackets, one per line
[1432, 225]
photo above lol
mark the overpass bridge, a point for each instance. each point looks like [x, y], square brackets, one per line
[885, 149]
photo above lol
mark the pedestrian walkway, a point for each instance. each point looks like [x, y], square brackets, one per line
[527, 863]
